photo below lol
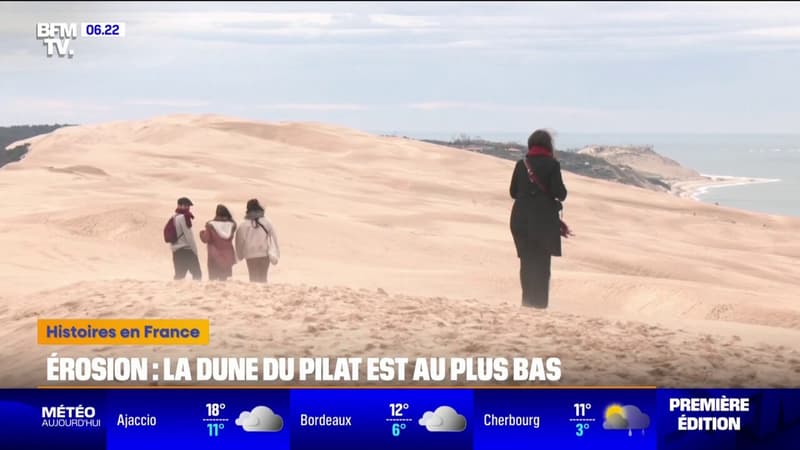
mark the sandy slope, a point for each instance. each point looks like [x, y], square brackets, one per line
[88, 204]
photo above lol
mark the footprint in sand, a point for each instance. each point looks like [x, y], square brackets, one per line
[449, 335]
[718, 312]
[72, 305]
[658, 372]
[474, 348]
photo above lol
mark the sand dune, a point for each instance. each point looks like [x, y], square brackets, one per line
[355, 211]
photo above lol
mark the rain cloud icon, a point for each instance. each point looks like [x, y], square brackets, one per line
[628, 417]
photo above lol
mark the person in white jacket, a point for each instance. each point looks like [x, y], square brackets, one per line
[184, 250]
[257, 242]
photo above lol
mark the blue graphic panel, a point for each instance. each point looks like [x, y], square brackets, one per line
[394, 418]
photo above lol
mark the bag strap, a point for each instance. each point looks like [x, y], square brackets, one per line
[265, 231]
[535, 180]
[175, 224]
[262, 227]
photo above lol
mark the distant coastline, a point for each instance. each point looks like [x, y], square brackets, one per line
[695, 189]
[634, 165]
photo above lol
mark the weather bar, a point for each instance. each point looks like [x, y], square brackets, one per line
[418, 419]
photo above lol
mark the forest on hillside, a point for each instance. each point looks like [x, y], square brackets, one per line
[9, 135]
[571, 161]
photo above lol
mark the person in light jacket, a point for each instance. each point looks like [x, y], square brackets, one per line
[257, 242]
[184, 249]
[218, 235]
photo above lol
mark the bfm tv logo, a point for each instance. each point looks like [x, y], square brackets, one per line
[57, 37]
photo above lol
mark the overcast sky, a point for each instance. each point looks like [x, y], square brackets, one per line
[416, 67]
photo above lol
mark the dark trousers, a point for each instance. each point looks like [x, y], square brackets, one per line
[185, 260]
[534, 275]
[258, 268]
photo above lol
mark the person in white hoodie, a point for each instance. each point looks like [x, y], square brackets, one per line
[218, 235]
[184, 248]
[257, 242]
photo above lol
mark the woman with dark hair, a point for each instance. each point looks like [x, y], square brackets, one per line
[218, 235]
[257, 242]
[538, 190]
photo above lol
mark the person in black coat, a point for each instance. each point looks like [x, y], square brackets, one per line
[535, 223]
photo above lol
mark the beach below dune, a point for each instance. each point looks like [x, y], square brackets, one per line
[695, 188]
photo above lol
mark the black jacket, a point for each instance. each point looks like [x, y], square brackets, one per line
[534, 217]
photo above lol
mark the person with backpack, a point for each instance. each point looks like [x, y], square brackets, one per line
[178, 233]
[538, 190]
[257, 242]
[218, 235]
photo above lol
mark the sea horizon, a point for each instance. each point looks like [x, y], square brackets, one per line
[771, 158]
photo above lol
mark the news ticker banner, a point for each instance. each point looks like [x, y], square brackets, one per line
[399, 418]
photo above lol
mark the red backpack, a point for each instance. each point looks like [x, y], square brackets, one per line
[170, 232]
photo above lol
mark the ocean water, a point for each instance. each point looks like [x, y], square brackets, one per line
[767, 156]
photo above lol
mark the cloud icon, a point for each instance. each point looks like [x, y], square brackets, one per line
[615, 422]
[637, 420]
[444, 418]
[628, 417]
[260, 418]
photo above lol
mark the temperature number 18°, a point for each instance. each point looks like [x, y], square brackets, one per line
[398, 408]
[213, 409]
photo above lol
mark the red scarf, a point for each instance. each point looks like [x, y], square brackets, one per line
[539, 151]
[186, 214]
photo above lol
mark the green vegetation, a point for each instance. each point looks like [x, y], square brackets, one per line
[9, 135]
[586, 165]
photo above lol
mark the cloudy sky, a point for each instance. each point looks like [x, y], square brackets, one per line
[416, 67]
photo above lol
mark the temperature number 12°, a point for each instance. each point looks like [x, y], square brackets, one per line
[398, 408]
[581, 409]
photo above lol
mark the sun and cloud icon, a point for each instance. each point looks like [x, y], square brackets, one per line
[628, 417]
[444, 418]
[260, 418]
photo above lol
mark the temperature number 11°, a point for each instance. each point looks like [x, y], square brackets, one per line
[214, 429]
[581, 409]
